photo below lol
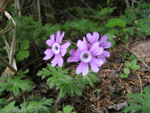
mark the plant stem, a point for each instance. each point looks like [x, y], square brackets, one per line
[56, 103]
[7, 64]
[16, 99]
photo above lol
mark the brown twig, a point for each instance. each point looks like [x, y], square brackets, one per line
[139, 81]
[8, 65]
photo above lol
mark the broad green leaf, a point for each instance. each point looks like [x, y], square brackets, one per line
[136, 67]
[67, 109]
[22, 54]
[24, 44]
[123, 75]
[116, 22]
[126, 71]
[133, 63]
[128, 64]
[59, 112]
[26, 71]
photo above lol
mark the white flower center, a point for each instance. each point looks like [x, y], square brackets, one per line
[56, 48]
[85, 56]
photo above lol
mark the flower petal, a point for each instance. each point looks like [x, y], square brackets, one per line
[82, 45]
[85, 69]
[102, 58]
[97, 61]
[79, 68]
[59, 37]
[95, 36]
[94, 67]
[54, 61]
[106, 44]
[63, 48]
[75, 56]
[50, 41]
[73, 59]
[103, 39]
[106, 53]
[60, 60]
[49, 53]
[95, 49]
[57, 60]
[90, 38]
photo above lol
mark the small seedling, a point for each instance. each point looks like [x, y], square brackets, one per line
[125, 74]
[129, 65]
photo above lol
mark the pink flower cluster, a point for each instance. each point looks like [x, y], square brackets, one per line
[90, 52]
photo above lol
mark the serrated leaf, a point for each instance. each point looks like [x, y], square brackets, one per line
[16, 83]
[64, 90]
[139, 102]
[77, 90]
[37, 106]
[10, 107]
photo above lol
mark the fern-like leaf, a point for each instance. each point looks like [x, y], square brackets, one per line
[139, 102]
[10, 108]
[37, 107]
[16, 83]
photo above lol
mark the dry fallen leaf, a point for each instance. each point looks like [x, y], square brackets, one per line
[142, 51]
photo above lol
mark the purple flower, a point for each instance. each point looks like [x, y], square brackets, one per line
[87, 55]
[56, 49]
[102, 43]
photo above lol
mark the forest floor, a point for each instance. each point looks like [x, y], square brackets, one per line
[109, 94]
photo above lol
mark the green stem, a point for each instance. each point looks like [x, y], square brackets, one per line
[16, 99]
[56, 103]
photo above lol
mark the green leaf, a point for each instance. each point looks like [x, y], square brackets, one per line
[128, 64]
[22, 54]
[126, 71]
[64, 90]
[24, 44]
[137, 67]
[124, 75]
[15, 83]
[10, 108]
[139, 102]
[59, 112]
[133, 62]
[133, 57]
[26, 71]
[37, 106]
[108, 2]
[67, 109]
[116, 22]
